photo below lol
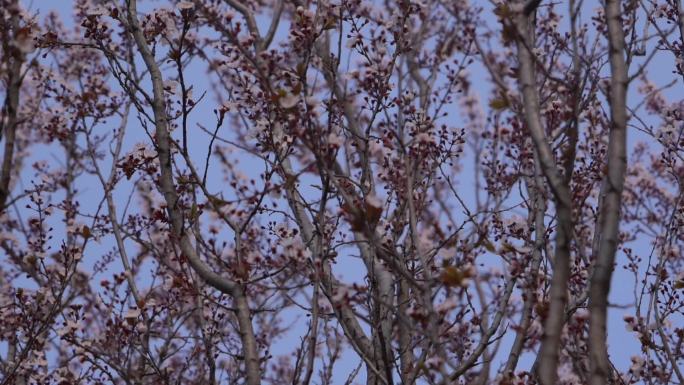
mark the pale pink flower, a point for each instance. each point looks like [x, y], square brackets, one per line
[335, 141]
[185, 5]
[637, 364]
[97, 10]
[132, 314]
[289, 101]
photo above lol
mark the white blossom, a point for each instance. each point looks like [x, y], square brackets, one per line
[132, 314]
[185, 5]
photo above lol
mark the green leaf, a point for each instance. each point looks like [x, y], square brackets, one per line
[499, 104]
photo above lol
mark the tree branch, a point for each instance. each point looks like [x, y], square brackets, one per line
[168, 189]
[610, 211]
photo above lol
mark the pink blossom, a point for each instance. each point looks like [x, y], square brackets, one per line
[183, 5]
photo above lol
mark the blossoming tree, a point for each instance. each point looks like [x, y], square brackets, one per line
[341, 191]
